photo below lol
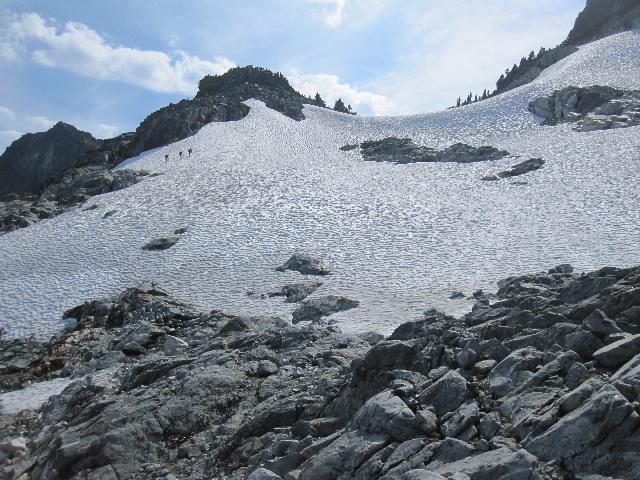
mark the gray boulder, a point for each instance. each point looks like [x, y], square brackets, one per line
[599, 324]
[627, 379]
[316, 308]
[295, 292]
[618, 352]
[518, 169]
[584, 343]
[464, 417]
[263, 474]
[594, 428]
[421, 475]
[514, 370]
[491, 465]
[305, 264]
[386, 413]
[163, 243]
[446, 394]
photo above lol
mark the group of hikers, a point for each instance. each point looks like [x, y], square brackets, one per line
[166, 156]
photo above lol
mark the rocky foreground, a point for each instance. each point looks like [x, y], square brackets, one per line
[540, 381]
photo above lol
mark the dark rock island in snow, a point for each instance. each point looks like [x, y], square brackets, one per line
[404, 150]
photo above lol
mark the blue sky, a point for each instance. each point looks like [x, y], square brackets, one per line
[103, 66]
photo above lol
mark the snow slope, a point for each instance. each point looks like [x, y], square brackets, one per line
[399, 238]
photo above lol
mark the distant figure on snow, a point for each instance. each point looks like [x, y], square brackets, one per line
[189, 151]
[180, 153]
[166, 157]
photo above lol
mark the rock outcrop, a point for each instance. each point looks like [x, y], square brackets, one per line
[602, 18]
[591, 108]
[404, 150]
[518, 169]
[242, 83]
[72, 187]
[305, 264]
[29, 162]
[506, 392]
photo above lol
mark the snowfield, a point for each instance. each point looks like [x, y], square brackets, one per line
[399, 238]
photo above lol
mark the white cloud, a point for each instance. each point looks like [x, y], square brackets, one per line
[331, 11]
[106, 131]
[331, 88]
[6, 113]
[10, 134]
[40, 122]
[79, 49]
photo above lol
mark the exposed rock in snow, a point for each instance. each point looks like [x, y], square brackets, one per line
[593, 108]
[316, 308]
[305, 264]
[518, 169]
[163, 243]
[73, 186]
[404, 150]
[293, 293]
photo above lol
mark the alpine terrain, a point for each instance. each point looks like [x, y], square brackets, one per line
[255, 286]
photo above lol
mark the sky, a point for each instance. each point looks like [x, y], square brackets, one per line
[104, 66]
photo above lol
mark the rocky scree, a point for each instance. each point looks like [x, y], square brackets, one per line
[538, 382]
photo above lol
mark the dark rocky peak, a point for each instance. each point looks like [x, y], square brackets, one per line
[602, 18]
[35, 157]
[234, 79]
[243, 83]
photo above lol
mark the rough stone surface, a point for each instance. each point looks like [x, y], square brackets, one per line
[518, 169]
[618, 352]
[70, 188]
[404, 150]
[316, 308]
[163, 243]
[591, 108]
[305, 264]
[29, 162]
[161, 389]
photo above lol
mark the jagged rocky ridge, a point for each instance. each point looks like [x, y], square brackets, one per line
[404, 150]
[592, 108]
[539, 381]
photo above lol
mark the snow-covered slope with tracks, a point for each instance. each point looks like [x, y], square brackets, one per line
[399, 238]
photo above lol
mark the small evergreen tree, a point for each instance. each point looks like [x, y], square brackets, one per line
[458, 102]
[319, 101]
[340, 106]
[532, 56]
